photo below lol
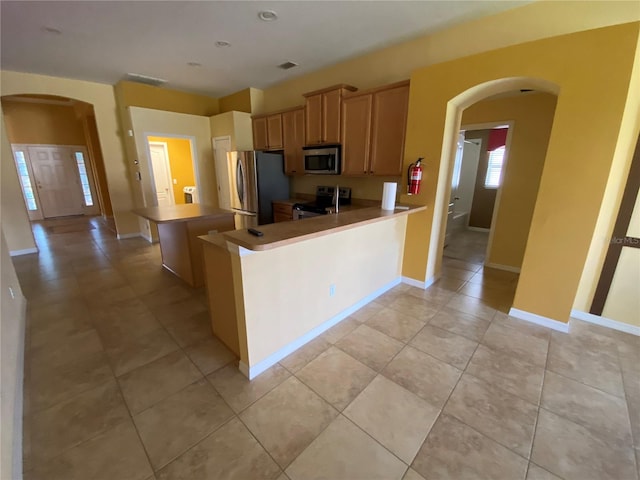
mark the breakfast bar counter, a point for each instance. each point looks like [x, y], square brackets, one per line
[269, 295]
[280, 234]
[179, 227]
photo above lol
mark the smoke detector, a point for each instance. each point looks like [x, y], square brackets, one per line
[287, 65]
[145, 79]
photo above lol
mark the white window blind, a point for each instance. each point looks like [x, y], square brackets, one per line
[494, 168]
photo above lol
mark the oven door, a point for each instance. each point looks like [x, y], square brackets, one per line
[322, 160]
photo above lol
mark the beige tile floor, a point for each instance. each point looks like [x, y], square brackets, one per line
[125, 381]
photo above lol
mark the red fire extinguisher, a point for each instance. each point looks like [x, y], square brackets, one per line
[414, 177]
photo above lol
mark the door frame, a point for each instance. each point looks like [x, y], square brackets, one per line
[496, 206]
[194, 161]
[167, 162]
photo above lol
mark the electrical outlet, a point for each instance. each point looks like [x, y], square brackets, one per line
[332, 290]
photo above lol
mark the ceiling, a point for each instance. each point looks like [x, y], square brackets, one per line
[102, 41]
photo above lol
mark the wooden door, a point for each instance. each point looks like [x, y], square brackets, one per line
[313, 120]
[57, 181]
[331, 113]
[274, 131]
[161, 174]
[260, 138]
[389, 127]
[356, 134]
[293, 139]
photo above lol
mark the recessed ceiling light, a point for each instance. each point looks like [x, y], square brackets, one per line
[222, 44]
[52, 30]
[194, 64]
[267, 15]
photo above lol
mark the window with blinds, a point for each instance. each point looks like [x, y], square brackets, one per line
[494, 168]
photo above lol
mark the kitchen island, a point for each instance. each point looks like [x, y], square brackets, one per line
[270, 295]
[179, 227]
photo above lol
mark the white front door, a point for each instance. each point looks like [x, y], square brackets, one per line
[161, 174]
[222, 146]
[57, 181]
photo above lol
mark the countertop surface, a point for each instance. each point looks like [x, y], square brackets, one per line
[180, 212]
[284, 233]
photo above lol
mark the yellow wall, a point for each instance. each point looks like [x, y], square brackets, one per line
[397, 62]
[368, 188]
[12, 326]
[160, 98]
[533, 118]
[181, 163]
[236, 125]
[13, 211]
[575, 171]
[239, 101]
[612, 198]
[42, 123]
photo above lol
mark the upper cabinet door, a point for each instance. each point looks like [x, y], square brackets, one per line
[293, 136]
[356, 134]
[274, 131]
[314, 120]
[389, 127]
[331, 113]
[260, 141]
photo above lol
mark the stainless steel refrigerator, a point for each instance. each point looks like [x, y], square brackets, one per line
[255, 180]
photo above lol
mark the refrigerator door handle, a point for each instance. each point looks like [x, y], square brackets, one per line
[240, 182]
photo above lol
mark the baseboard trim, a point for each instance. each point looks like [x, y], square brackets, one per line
[478, 229]
[24, 251]
[253, 371]
[506, 268]
[122, 236]
[539, 320]
[605, 322]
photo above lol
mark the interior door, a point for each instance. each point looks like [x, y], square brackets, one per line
[161, 174]
[57, 181]
[222, 146]
[455, 182]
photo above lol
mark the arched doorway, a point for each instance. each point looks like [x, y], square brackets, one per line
[492, 200]
[57, 155]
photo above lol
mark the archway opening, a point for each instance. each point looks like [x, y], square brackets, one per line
[523, 109]
[58, 157]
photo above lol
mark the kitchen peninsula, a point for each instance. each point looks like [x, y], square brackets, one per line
[270, 295]
[178, 229]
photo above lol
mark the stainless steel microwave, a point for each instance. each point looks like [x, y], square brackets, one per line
[322, 160]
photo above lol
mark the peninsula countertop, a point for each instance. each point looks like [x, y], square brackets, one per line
[180, 212]
[285, 233]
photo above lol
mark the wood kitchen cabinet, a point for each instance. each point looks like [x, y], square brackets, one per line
[373, 130]
[293, 140]
[282, 211]
[267, 132]
[323, 114]
[356, 134]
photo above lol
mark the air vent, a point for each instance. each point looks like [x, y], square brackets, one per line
[287, 65]
[136, 77]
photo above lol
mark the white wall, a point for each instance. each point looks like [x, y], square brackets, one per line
[12, 328]
[146, 121]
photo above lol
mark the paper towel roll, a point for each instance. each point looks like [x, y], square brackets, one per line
[389, 195]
